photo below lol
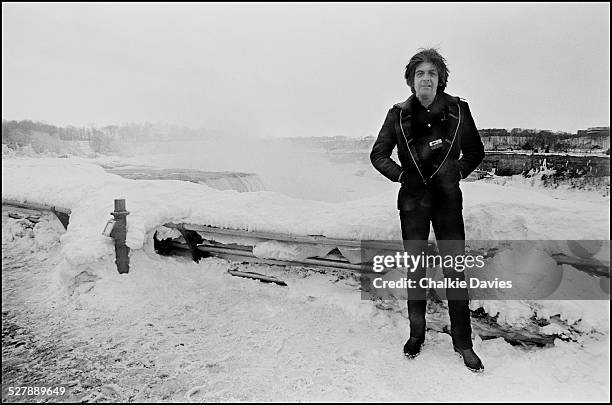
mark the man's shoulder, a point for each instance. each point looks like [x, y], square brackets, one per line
[454, 99]
[402, 105]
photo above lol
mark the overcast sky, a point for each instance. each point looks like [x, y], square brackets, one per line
[301, 69]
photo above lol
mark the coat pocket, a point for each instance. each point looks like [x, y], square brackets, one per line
[449, 173]
[411, 193]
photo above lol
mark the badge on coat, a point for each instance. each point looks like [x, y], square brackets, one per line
[433, 145]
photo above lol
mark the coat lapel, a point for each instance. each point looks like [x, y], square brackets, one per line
[406, 117]
[452, 114]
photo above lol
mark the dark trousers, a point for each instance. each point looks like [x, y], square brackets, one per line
[443, 209]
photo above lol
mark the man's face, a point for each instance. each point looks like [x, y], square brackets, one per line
[425, 80]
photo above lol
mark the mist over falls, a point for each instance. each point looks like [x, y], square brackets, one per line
[282, 165]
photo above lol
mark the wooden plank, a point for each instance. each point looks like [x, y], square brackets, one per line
[314, 239]
[309, 261]
[488, 329]
[24, 212]
[256, 276]
[590, 266]
[318, 239]
[62, 214]
[238, 254]
[587, 265]
[35, 206]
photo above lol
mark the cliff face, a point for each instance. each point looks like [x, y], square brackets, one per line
[507, 164]
[592, 139]
[242, 182]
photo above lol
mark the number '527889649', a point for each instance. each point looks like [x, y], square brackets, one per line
[36, 391]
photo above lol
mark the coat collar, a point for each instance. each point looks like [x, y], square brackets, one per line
[451, 113]
[404, 126]
[406, 106]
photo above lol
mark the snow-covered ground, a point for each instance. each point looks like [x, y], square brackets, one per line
[171, 326]
[172, 329]
[576, 189]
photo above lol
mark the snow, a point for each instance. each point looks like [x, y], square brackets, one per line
[578, 189]
[315, 339]
[288, 251]
[491, 212]
[174, 330]
[89, 192]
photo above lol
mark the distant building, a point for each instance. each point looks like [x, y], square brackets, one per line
[595, 138]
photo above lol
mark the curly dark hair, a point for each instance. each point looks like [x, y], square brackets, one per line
[432, 56]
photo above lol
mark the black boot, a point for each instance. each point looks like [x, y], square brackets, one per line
[470, 359]
[413, 347]
[416, 314]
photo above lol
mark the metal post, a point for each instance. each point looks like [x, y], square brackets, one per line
[119, 233]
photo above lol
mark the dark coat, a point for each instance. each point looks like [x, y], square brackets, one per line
[462, 133]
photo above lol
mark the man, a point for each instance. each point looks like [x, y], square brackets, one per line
[430, 130]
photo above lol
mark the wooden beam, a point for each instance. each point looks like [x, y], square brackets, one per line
[35, 206]
[257, 276]
[239, 254]
[588, 265]
[62, 214]
[315, 239]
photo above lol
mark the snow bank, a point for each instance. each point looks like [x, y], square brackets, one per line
[491, 211]
[585, 188]
[89, 192]
[288, 251]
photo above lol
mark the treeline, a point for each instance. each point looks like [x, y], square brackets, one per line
[43, 137]
[46, 138]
